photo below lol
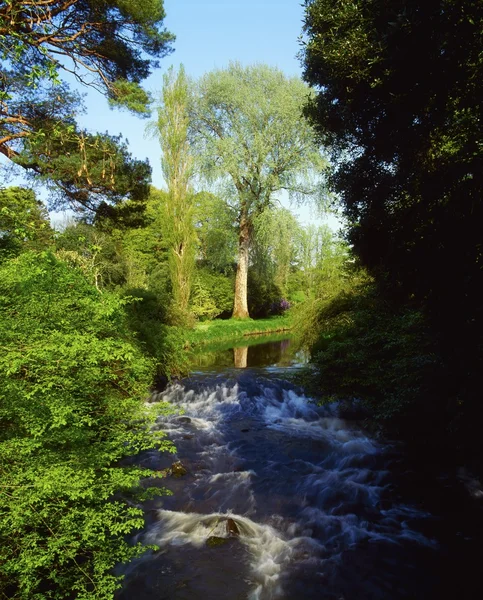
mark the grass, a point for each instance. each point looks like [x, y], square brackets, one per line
[209, 332]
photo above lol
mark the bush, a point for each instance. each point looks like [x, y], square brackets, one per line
[146, 318]
[72, 383]
[212, 294]
[279, 307]
[364, 348]
[263, 293]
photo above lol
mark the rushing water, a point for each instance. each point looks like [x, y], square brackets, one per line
[281, 499]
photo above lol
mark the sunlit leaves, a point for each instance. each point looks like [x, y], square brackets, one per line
[73, 380]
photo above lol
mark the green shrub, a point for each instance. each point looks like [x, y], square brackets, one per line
[212, 294]
[72, 383]
[146, 318]
[364, 348]
[263, 293]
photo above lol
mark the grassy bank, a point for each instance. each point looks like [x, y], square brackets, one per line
[209, 332]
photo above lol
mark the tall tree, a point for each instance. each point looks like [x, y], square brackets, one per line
[249, 135]
[178, 205]
[110, 46]
[400, 85]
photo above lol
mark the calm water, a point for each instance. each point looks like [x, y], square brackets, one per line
[282, 499]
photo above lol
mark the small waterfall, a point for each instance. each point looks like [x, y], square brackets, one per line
[302, 487]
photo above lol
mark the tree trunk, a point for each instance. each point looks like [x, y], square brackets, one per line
[240, 307]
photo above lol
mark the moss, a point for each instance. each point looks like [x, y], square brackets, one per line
[214, 541]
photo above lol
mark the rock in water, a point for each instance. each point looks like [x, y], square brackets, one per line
[215, 540]
[232, 527]
[183, 420]
[178, 469]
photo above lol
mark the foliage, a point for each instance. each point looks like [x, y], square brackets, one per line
[249, 136]
[177, 206]
[71, 408]
[216, 231]
[92, 251]
[143, 249]
[202, 304]
[212, 294]
[372, 351]
[322, 257]
[110, 46]
[115, 256]
[24, 222]
[262, 294]
[147, 315]
[400, 87]
[92, 173]
[273, 252]
[280, 307]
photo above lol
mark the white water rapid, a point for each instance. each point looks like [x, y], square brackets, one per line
[281, 500]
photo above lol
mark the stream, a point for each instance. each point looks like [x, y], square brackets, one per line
[278, 498]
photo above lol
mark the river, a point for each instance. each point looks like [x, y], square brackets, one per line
[277, 498]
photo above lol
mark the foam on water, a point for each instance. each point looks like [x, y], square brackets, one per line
[302, 485]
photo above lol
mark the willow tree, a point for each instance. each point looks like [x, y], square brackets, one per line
[274, 249]
[178, 204]
[250, 136]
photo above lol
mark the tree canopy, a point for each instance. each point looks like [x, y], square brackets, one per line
[24, 222]
[400, 85]
[249, 134]
[400, 88]
[108, 45]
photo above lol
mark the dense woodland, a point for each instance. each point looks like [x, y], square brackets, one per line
[386, 129]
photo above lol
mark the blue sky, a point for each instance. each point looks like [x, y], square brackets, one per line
[209, 34]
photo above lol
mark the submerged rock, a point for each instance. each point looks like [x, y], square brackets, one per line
[183, 420]
[178, 469]
[214, 540]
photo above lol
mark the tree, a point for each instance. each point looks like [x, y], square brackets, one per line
[178, 205]
[322, 257]
[215, 223]
[110, 46]
[276, 231]
[249, 135]
[400, 88]
[24, 222]
[399, 99]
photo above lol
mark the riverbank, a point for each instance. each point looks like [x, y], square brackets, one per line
[209, 332]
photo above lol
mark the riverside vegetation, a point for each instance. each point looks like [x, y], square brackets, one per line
[93, 310]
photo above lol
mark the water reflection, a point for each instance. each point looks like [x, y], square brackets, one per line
[262, 351]
[240, 356]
